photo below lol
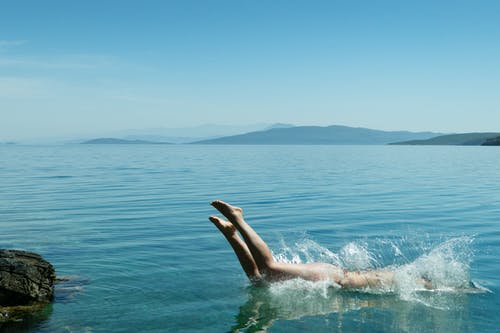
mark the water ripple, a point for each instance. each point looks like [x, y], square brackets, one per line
[131, 223]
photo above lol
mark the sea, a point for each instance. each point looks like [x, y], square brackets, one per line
[126, 227]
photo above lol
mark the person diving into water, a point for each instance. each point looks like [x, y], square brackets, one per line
[259, 265]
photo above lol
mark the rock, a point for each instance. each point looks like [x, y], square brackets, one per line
[25, 278]
[26, 288]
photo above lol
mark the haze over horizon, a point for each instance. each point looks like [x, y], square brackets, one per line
[70, 69]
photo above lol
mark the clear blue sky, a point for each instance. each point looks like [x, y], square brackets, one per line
[81, 67]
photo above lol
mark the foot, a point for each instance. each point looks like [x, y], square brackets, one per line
[227, 228]
[232, 213]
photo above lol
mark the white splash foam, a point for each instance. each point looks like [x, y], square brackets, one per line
[305, 251]
[446, 266]
[356, 256]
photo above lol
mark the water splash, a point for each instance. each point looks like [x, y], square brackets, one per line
[305, 251]
[445, 265]
[356, 256]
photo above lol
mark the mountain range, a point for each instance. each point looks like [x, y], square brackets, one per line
[319, 135]
[191, 134]
[283, 134]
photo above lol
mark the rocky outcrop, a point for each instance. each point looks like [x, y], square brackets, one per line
[26, 282]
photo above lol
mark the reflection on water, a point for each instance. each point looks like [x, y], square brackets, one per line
[344, 311]
[67, 288]
[28, 322]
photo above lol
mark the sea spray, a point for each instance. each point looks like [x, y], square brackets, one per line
[356, 256]
[444, 266]
[305, 251]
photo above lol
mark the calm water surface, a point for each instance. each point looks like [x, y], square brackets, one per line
[128, 225]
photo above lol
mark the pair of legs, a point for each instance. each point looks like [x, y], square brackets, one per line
[258, 263]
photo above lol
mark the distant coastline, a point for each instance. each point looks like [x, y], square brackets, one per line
[322, 135]
[114, 141]
[463, 139]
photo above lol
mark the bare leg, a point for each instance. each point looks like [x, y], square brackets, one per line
[263, 257]
[262, 261]
[376, 279]
[240, 248]
[362, 279]
[258, 248]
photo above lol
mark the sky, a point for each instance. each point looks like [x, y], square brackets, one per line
[70, 68]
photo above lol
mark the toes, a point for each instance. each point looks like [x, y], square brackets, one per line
[218, 220]
[214, 218]
[218, 203]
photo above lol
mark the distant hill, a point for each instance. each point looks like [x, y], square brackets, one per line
[190, 134]
[464, 139]
[492, 142]
[318, 135]
[120, 142]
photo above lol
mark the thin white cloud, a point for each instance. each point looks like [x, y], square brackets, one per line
[146, 100]
[59, 61]
[22, 88]
[6, 44]
[76, 61]
[45, 63]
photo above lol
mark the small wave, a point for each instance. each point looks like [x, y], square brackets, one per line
[57, 177]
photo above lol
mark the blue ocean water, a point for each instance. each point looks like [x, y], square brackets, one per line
[128, 225]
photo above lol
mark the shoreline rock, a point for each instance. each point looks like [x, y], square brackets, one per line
[26, 283]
